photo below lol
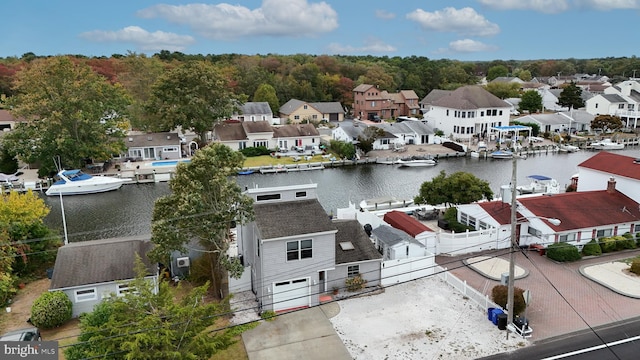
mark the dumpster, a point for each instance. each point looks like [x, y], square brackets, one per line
[502, 321]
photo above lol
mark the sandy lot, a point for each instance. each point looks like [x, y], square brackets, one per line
[423, 319]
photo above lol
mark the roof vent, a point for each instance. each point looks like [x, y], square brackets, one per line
[347, 245]
[130, 139]
[149, 138]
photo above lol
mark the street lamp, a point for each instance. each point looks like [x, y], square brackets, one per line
[515, 246]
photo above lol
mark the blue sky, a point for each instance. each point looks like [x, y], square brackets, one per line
[437, 29]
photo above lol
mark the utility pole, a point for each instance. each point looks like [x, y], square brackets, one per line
[514, 245]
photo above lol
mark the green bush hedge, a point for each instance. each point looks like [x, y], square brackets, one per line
[255, 151]
[51, 309]
[563, 252]
[617, 243]
[607, 244]
[592, 248]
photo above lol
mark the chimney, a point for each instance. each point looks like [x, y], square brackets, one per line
[611, 186]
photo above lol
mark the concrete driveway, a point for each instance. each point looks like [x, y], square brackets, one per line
[307, 332]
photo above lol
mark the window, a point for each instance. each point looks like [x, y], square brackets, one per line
[301, 194]
[297, 250]
[268, 197]
[472, 222]
[169, 149]
[353, 271]
[261, 143]
[483, 225]
[85, 295]
[306, 107]
[242, 145]
[481, 113]
[567, 237]
[604, 233]
[314, 116]
[533, 231]
[123, 289]
[373, 104]
[296, 117]
[620, 106]
[447, 112]
[463, 218]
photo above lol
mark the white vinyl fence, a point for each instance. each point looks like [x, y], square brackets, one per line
[402, 270]
[480, 299]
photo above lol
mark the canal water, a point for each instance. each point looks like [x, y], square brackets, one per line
[127, 212]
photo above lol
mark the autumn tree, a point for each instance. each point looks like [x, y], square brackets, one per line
[146, 324]
[267, 93]
[458, 188]
[201, 208]
[138, 77]
[606, 123]
[531, 101]
[571, 97]
[70, 112]
[194, 96]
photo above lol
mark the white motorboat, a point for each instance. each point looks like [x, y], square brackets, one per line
[416, 162]
[384, 203]
[75, 182]
[540, 184]
[568, 148]
[606, 144]
[502, 154]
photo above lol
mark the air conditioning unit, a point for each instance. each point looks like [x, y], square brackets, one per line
[182, 262]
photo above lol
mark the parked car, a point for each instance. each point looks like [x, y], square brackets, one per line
[28, 334]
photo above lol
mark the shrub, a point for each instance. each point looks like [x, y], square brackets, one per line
[625, 241]
[563, 252]
[268, 315]
[500, 296]
[355, 283]
[635, 266]
[592, 248]
[255, 151]
[7, 288]
[607, 244]
[51, 309]
[451, 216]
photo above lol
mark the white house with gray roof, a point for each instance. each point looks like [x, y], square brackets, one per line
[396, 244]
[291, 248]
[622, 100]
[465, 112]
[255, 111]
[410, 132]
[89, 271]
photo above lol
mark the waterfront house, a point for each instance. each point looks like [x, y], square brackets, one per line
[616, 214]
[595, 172]
[467, 112]
[241, 135]
[410, 225]
[298, 111]
[290, 248]
[622, 100]
[296, 137]
[348, 131]
[410, 132]
[153, 146]
[370, 103]
[89, 271]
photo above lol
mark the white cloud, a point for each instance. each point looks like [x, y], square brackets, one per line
[612, 4]
[371, 45]
[465, 21]
[223, 21]
[468, 45]
[545, 6]
[385, 15]
[147, 41]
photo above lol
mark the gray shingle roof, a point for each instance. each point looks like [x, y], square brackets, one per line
[333, 107]
[152, 139]
[100, 261]
[363, 248]
[251, 127]
[256, 108]
[229, 131]
[294, 130]
[434, 95]
[469, 98]
[391, 236]
[290, 218]
[291, 106]
[614, 98]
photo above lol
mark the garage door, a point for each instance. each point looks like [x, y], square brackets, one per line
[290, 294]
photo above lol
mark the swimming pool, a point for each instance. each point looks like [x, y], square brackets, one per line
[169, 162]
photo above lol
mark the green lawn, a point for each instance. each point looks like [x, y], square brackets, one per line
[265, 160]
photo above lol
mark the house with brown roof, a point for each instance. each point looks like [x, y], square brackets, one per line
[7, 121]
[153, 146]
[466, 112]
[370, 102]
[298, 111]
[241, 135]
[295, 252]
[89, 271]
